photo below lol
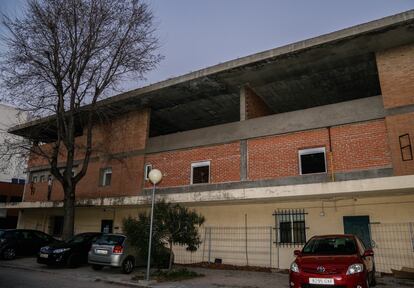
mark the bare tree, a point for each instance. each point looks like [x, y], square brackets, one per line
[63, 56]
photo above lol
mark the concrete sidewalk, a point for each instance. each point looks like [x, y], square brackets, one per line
[212, 278]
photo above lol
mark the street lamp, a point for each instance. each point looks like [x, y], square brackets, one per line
[155, 177]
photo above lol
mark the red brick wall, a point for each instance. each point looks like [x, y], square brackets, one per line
[399, 125]
[112, 142]
[176, 165]
[255, 106]
[10, 189]
[396, 74]
[355, 147]
[360, 146]
[277, 156]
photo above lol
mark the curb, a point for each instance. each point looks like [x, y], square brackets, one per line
[97, 279]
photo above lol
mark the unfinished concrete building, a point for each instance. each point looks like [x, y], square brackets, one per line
[310, 138]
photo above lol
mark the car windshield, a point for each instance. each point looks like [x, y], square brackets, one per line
[330, 246]
[110, 240]
[79, 238]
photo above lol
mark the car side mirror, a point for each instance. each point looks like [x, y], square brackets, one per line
[297, 253]
[368, 253]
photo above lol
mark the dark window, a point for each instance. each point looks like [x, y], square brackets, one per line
[3, 198]
[16, 199]
[110, 240]
[148, 168]
[200, 173]
[330, 246]
[42, 178]
[107, 226]
[312, 161]
[291, 228]
[106, 176]
[42, 235]
[57, 225]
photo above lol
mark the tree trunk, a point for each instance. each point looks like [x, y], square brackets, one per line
[171, 257]
[69, 212]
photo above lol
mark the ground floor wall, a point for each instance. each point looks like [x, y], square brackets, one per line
[248, 233]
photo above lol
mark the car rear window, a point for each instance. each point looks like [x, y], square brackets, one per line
[110, 240]
[330, 246]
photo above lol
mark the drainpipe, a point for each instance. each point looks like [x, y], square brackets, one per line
[331, 155]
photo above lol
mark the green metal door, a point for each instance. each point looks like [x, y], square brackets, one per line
[359, 226]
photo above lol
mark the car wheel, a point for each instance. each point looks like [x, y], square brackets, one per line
[72, 261]
[373, 279]
[9, 253]
[97, 267]
[128, 265]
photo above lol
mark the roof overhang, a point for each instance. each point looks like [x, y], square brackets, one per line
[331, 68]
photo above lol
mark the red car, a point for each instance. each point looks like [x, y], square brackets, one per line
[333, 261]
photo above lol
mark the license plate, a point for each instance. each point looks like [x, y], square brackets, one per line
[102, 252]
[322, 281]
[44, 255]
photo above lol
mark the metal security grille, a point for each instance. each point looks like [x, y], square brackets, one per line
[393, 245]
[290, 227]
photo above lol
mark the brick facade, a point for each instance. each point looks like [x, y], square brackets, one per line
[254, 105]
[355, 147]
[360, 146]
[396, 74]
[176, 165]
[397, 126]
[118, 144]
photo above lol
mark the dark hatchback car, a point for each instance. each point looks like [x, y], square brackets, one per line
[72, 252]
[333, 261]
[22, 242]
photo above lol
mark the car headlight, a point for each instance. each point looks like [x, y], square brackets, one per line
[355, 268]
[294, 267]
[61, 250]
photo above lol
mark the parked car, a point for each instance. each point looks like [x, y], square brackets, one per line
[72, 252]
[22, 242]
[114, 250]
[333, 260]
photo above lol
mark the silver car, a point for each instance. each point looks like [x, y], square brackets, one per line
[114, 250]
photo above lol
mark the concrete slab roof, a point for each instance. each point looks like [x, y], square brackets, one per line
[330, 68]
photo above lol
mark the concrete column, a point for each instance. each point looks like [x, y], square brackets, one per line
[243, 160]
[242, 104]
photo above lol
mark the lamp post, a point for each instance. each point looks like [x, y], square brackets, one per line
[155, 177]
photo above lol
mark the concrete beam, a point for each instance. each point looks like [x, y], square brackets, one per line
[323, 116]
[387, 186]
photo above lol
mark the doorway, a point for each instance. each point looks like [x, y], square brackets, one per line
[359, 226]
[107, 226]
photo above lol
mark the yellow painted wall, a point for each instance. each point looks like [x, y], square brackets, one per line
[396, 209]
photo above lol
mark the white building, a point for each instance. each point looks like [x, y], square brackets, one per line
[10, 116]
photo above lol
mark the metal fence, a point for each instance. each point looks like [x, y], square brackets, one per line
[393, 245]
[241, 246]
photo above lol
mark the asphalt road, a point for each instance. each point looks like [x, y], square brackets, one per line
[18, 278]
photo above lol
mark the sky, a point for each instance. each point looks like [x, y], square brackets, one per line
[195, 34]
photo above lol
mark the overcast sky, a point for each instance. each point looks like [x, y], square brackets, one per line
[195, 34]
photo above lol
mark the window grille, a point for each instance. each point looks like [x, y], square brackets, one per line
[290, 227]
